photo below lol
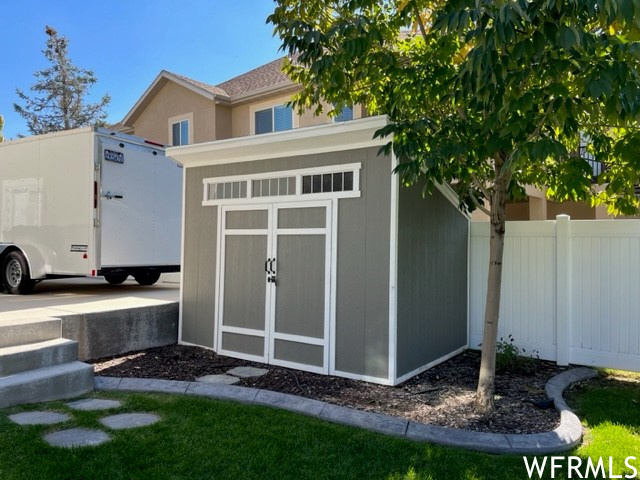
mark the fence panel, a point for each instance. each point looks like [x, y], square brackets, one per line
[570, 290]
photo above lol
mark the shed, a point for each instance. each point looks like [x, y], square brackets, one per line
[301, 249]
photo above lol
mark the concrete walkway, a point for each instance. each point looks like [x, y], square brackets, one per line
[567, 436]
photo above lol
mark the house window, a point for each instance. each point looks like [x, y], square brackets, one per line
[180, 133]
[345, 115]
[274, 119]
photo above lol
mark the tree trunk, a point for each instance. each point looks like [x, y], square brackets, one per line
[486, 379]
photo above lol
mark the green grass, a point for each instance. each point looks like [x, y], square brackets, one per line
[205, 439]
[610, 409]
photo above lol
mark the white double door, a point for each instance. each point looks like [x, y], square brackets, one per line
[274, 283]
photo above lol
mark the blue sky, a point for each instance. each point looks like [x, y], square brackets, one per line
[127, 42]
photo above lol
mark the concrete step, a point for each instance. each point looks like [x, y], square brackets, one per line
[24, 331]
[44, 384]
[21, 358]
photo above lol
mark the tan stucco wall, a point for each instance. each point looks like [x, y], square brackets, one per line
[223, 122]
[243, 115]
[576, 210]
[173, 101]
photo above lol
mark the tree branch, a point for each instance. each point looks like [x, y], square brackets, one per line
[420, 22]
[480, 185]
[478, 205]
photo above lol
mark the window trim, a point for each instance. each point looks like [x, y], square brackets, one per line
[188, 117]
[297, 196]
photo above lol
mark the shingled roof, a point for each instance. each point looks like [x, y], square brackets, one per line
[264, 79]
[259, 79]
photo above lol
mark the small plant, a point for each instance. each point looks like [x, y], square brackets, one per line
[512, 359]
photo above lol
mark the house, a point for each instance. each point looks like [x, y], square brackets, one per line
[300, 249]
[177, 110]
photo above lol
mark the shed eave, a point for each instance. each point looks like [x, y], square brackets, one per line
[301, 141]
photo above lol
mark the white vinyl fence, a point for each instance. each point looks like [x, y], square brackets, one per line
[570, 290]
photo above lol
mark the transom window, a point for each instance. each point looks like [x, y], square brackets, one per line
[180, 133]
[327, 182]
[274, 119]
[335, 181]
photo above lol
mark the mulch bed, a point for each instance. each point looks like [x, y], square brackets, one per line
[443, 395]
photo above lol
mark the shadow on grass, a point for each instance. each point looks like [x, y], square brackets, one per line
[612, 399]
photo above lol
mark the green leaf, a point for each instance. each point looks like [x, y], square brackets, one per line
[567, 36]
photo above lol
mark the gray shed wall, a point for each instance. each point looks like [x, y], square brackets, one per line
[432, 279]
[362, 292]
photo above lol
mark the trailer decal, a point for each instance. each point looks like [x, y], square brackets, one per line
[111, 156]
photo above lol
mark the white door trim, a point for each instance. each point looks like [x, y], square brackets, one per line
[273, 335]
[272, 232]
[219, 328]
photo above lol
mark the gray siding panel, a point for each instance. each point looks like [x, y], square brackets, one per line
[246, 219]
[310, 217]
[244, 281]
[299, 353]
[300, 294]
[243, 343]
[432, 279]
[199, 267]
[362, 317]
[362, 308]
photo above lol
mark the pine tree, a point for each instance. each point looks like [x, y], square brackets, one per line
[60, 92]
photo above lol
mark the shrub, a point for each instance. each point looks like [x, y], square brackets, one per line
[512, 359]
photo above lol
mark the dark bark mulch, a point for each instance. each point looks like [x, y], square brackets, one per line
[443, 395]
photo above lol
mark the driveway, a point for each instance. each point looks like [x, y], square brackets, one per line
[83, 295]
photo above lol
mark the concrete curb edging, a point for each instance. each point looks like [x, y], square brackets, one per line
[567, 436]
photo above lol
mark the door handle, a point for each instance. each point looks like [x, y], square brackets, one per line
[110, 195]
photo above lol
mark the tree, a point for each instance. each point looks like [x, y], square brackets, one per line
[1, 125]
[61, 88]
[487, 96]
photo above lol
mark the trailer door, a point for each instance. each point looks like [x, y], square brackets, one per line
[139, 206]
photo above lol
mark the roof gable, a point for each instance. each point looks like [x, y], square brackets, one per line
[261, 80]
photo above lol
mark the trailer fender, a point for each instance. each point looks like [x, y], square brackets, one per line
[34, 259]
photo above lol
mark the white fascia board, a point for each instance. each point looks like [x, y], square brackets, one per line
[450, 194]
[329, 137]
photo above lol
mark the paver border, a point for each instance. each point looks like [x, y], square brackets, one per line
[565, 437]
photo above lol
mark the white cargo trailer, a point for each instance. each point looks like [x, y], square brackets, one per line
[87, 202]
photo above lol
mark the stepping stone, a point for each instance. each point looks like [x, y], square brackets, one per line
[76, 437]
[38, 418]
[220, 379]
[246, 372]
[129, 420]
[94, 404]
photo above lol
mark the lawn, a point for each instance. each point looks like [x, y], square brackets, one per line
[205, 439]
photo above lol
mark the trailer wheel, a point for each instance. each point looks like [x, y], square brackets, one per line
[116, 278]
[147, 278]
[15, 274]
